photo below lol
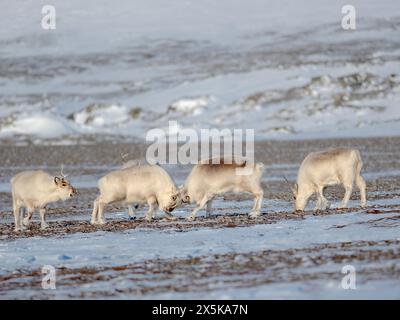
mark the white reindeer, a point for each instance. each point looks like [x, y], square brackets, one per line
[327, 168]
[208, 180]
[136, 184]
[34, 190]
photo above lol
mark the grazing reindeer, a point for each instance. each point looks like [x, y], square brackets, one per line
[34, 190]
[208, 180]
[137, 184]
[327, 168]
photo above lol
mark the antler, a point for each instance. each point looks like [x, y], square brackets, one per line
[62, 171]
[286, 180]
[124, 155]
[274, 194]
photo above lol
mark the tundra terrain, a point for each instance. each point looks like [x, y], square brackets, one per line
[279, 255]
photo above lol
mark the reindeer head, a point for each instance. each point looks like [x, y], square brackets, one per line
[294, 188]
[300, 197]
[295, 192]
[171, 200]
[63, 186]
[184, 195]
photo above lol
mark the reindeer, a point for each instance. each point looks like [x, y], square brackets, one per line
[34, 190]
[209, 179]
[327, 168]
[136, 184]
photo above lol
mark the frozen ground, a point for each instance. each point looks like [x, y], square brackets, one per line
[286, 69]
[90, 90]
[279, 255]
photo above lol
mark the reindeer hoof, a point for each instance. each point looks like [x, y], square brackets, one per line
[326, 205]
[26, 222]
[97, 222]
[363, 205]
[44, 226]
[254, 214]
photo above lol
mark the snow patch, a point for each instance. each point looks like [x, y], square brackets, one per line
[38, 125]
[102, 115]
[190, 105]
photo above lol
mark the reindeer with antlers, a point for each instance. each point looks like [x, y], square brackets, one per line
[34, 190]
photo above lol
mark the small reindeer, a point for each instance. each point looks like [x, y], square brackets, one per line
[34, 190]
[208, 180]
[137, 184]
[327, 168]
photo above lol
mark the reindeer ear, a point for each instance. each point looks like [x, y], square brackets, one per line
[57, 180]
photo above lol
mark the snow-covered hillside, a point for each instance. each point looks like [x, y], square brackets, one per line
[286, 69]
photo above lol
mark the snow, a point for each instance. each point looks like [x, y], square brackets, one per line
[102, 116]
[200, 63]
[301, 291]
[140, 245]
[38, 125]
[193, 105]
[106, 248]
[100, 249]
[281, 67]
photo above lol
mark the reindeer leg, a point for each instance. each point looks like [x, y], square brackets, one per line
[152, 202]
[102, 201]
[27, 220]
[200, 205]
[322, 203]
[319, 202]
[258, 198]
[21, 216]
[360, 182]
[100, 214]
[17, 216]
[43, 224]
[131, 212]
[346, 198]
[208, 208]
[95, 210]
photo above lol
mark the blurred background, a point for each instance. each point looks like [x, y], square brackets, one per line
[111, 70]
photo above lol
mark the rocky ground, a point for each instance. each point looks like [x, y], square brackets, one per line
[216, 272]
